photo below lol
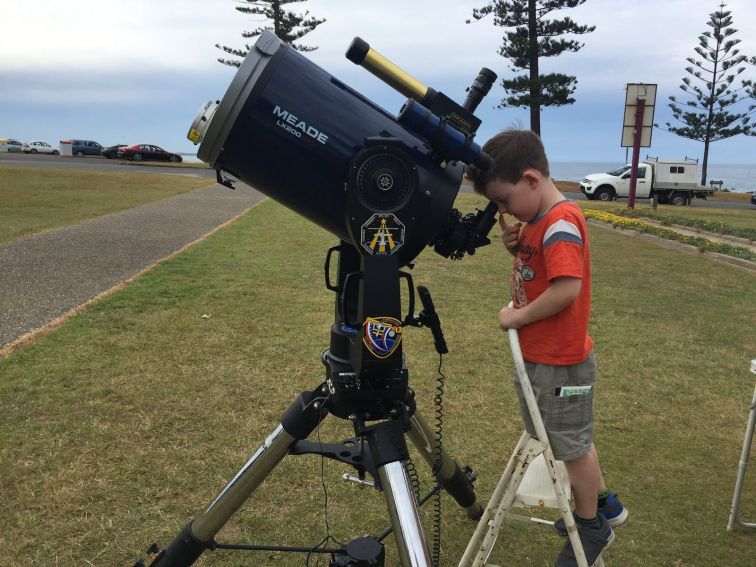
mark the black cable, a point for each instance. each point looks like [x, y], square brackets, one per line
[328, 536]
[414, 478]
[437, 448]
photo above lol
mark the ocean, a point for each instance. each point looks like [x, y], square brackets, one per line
[736, 177]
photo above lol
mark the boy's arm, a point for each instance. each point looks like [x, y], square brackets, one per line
[557, 296]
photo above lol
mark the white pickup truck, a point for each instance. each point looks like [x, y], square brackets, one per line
[673, 182]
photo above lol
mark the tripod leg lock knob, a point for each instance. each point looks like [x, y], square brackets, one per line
[304, 415]
[386, 442]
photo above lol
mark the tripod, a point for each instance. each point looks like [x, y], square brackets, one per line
[367, 381]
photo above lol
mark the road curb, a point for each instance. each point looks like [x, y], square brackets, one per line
[706, 233]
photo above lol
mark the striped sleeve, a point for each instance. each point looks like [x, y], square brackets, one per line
[562, 231]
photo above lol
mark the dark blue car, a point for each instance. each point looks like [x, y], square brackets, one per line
[82, 147]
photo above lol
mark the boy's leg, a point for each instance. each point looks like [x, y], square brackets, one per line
[602, 484]
[608, 504]
[586, 480]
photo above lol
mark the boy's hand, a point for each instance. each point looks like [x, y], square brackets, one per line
[509, 318]
[510, 235]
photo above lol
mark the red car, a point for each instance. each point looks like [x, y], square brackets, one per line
[142, 152]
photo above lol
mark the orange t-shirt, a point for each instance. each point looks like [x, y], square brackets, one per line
[551, 246]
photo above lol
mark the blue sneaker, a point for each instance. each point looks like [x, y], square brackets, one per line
[613, 510]
[594, 542]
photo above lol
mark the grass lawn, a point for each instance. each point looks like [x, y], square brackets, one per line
[37, 199]
[732, 196]
[123, 424]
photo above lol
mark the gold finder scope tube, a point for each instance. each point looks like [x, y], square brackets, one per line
[362, 54]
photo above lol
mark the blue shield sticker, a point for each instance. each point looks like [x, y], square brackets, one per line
[382, 335]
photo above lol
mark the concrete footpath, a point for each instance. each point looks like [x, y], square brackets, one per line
[45, 276]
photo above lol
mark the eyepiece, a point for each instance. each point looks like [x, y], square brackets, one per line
[479, 89]
[490, 75]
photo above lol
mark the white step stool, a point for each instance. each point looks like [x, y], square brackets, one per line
[735, 510]
[532, 477]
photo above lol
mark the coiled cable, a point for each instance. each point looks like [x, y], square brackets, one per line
[438, 400]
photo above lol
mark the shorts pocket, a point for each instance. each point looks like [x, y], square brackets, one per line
[569, 413]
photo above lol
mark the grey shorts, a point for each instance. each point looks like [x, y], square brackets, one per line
[567, 413]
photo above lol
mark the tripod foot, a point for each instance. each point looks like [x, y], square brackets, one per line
[460, 487]
[362, 552]
[185, 549]
[456, 480]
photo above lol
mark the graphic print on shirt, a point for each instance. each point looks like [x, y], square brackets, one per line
[518, 291]
[522, 272]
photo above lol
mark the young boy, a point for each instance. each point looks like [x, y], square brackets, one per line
[551, 293]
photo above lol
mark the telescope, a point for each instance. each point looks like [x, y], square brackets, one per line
[384, 186]
[309, 141]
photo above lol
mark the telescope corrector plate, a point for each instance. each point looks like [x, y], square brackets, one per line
[236, 96]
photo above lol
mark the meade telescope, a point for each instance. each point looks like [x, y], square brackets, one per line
[384, 185]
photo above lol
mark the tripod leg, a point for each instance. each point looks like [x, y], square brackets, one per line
[299, 420]
[388, 449]
[454, 479]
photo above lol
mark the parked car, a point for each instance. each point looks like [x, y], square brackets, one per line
[140, 152]
[112, 151]
[80, 148]
[39, 148]
[753, 198]
[10, 145]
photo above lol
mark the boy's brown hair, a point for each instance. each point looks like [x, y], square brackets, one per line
[512, 152]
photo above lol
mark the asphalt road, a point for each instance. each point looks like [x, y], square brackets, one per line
[102, 164]
[696, 203]
[46, 275]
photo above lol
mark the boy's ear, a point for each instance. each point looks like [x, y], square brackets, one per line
[532, 176]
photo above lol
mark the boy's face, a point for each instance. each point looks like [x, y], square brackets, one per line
[522, 200]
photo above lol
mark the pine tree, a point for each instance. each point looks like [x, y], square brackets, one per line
[285, 24]
[709, 116]
[531, 38]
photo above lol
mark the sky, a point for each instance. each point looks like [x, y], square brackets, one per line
[137, 71]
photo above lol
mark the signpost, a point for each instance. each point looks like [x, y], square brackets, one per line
[637, 127]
